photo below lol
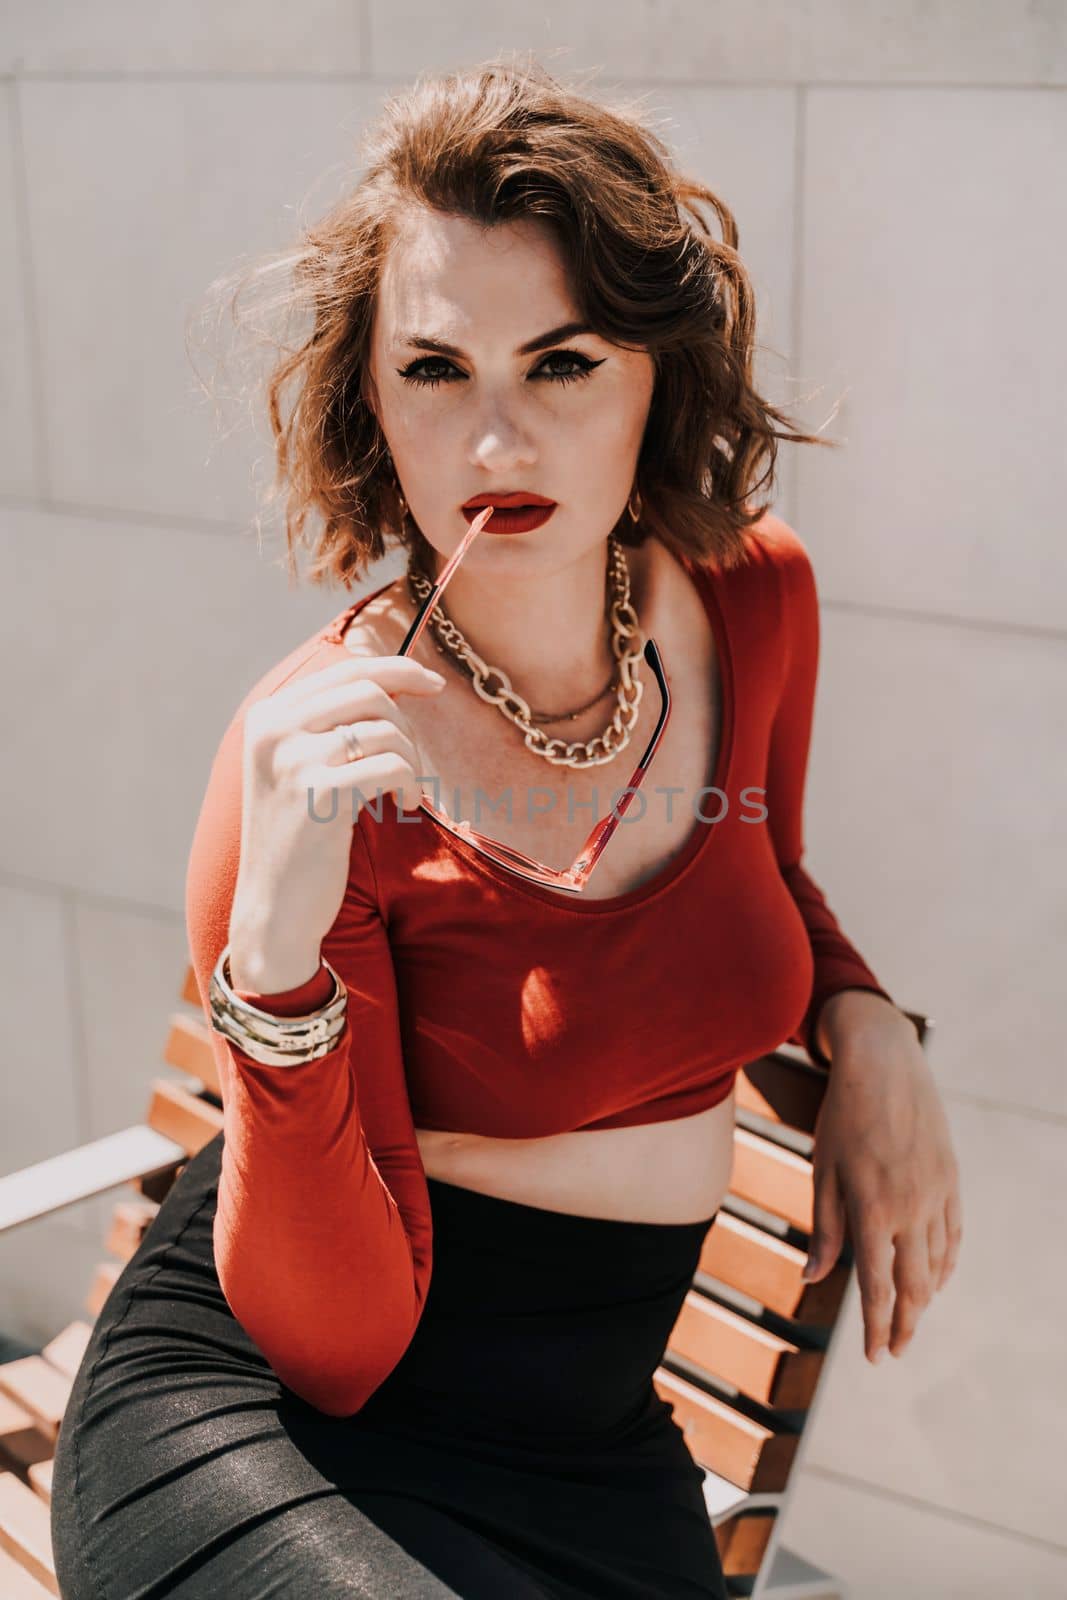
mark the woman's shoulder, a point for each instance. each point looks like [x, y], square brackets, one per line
[359, 629]
[376, 624]
[776, 545]
[777, 580]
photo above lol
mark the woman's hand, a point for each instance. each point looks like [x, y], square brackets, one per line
[295, 846]
[884, 1160]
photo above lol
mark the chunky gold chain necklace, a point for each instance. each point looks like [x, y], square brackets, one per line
[627, 647]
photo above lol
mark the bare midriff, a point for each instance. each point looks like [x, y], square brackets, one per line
[676, 1171]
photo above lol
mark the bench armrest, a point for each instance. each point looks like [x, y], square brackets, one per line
[90, 1169]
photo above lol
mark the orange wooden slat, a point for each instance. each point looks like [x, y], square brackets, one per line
[755, 1457]
[782, 1090]
[104, 1279]
[186, 1118]
[773, 1178]
[14, 1422]
[761, 1364]
[16, 1583]
[157, 1185]
[130, 1221]
[743, 1541]
[21, 1441]
[189, 1049]
[189, 991]
[40, 1476]
[767, 1269]
[39, 1388]
[65, 1351]
[25, 1530]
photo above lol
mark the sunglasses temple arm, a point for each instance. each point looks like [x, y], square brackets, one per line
[602, 832]
[423, 618]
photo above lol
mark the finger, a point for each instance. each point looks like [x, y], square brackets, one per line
[307, 750]
[953, 1234]
[873, 1251]
[828, 1225]
[397, 674]
[364, 700]
[374, 737]
[911, 1272]
[937, 1245]
[367, 781]
[415, 782]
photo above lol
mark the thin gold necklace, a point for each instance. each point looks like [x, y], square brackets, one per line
[627, 647]
[572, 716]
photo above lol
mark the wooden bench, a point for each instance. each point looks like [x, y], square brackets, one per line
[741, 1370]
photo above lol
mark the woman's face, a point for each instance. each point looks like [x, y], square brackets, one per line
[564, 421]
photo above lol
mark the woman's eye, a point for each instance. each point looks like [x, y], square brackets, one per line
[413, 374]
[416, 372]
[584, 365]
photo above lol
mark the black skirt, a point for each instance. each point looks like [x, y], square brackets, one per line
[518, 1450]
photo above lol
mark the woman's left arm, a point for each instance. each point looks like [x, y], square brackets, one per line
[883, 1162]
[883, 1159]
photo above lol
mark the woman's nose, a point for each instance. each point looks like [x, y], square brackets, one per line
[498, 443]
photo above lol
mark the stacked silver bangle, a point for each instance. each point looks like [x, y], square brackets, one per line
[275, 1041]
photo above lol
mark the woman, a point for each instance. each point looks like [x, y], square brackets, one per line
[393, 1332]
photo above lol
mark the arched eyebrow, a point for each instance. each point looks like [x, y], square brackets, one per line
[566, 330]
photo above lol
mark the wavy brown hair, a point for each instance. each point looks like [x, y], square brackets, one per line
[492, 143]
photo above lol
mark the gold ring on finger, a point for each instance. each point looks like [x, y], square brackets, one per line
[353, 748]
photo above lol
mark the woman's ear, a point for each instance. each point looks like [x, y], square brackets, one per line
[368, 392]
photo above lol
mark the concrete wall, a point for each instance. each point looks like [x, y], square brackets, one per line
[897, 176]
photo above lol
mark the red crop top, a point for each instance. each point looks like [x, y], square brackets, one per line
[484, 1004]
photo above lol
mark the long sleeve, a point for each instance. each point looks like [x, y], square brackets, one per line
[838, 965]
[322, 1233]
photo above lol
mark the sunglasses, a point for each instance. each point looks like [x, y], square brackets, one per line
[575, 877]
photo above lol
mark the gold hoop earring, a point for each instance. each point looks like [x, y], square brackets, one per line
[396, 484]
[634, 510]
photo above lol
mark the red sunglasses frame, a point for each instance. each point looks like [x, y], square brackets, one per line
[574, 878]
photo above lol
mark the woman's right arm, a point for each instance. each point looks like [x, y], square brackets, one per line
[322, 1230]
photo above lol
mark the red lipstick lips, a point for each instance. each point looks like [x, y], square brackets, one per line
[519, 511]
[514, 497]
